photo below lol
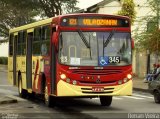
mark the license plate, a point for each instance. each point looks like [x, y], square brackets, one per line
[97, 89]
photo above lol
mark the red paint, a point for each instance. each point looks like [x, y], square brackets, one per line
[88, 78]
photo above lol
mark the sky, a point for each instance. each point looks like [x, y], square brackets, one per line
[82, 5]
[87, 3]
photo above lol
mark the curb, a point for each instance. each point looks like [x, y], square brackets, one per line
[7, 100]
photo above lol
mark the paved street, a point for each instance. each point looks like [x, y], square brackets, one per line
[122, 106]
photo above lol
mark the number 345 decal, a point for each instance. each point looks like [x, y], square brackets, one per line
[113, 59]
[104, 61]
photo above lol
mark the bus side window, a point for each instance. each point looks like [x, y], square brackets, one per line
[21, 43]
[45, 35]
[24, 43]
[37, 41]
[11, 45]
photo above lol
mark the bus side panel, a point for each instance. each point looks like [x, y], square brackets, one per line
[36, 71]
[21, 68]
[10, 70]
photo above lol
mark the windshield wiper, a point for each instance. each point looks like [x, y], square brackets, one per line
[108, 39]
[83, 38]
[85, 41]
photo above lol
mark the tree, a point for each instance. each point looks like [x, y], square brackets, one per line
[128, 10]
[13, 15]
[19, 12]
[150, 39]
[52, 8]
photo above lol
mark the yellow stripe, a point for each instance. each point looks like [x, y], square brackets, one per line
[32, 25]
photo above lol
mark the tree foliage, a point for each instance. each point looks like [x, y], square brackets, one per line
[150, 39]
[52, 8]
[15, 13]
[128, 10]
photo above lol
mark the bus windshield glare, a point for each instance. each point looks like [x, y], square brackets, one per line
[95, 48]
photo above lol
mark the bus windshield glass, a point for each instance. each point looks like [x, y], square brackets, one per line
[95, 48]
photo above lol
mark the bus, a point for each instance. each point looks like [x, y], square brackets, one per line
[74, 55]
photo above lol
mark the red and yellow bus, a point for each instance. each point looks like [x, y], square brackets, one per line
[74, 55]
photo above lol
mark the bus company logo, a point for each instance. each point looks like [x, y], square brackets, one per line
[98, 81]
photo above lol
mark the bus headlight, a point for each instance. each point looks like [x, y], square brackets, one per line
[120, 82]
[129, 76]
[74, 82]
[63, 76]
[125, 80]
[68, 80]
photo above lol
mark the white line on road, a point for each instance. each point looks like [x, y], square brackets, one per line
[143, 96]
[117, 98]
[133, 97]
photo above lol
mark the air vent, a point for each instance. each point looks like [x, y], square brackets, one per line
[98, 72]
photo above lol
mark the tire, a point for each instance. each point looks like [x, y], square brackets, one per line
[156, 97]
[22, 93]
[49, 100]
[105, 100]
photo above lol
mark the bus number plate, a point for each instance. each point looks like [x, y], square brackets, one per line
[97, 89]
[114, 59]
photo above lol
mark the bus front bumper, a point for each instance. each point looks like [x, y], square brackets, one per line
[66, 89]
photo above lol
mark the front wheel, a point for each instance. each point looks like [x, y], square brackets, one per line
[156, 97]
[21, 91]
[106, 100]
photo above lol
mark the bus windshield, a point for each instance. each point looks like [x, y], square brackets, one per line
[95, 48]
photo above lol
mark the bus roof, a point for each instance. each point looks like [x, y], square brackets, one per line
[49, 20]
[32, 25]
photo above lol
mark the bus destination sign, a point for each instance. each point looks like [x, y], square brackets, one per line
[94, 22]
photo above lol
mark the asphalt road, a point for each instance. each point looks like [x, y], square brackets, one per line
[136, 106]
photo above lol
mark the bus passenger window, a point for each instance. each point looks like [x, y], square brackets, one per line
[37, 41]
[21, 43]
[45, 35]
[11, 45]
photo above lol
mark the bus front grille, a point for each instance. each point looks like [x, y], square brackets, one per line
[98, 72]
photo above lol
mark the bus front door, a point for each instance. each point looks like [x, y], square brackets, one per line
[29, 60]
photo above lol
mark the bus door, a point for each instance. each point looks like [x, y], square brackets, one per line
[15, 58]
[29, 59]
[53, 62]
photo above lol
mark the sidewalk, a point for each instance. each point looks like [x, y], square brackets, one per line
[139, 85]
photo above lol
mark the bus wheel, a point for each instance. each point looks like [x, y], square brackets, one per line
[157, 97]
[47, 98]
[106, 100]
[21, 91]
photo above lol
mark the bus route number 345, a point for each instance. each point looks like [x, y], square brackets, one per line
[113, 59]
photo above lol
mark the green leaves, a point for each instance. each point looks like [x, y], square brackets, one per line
[14, 13]
[150, 39]
[128, 10]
